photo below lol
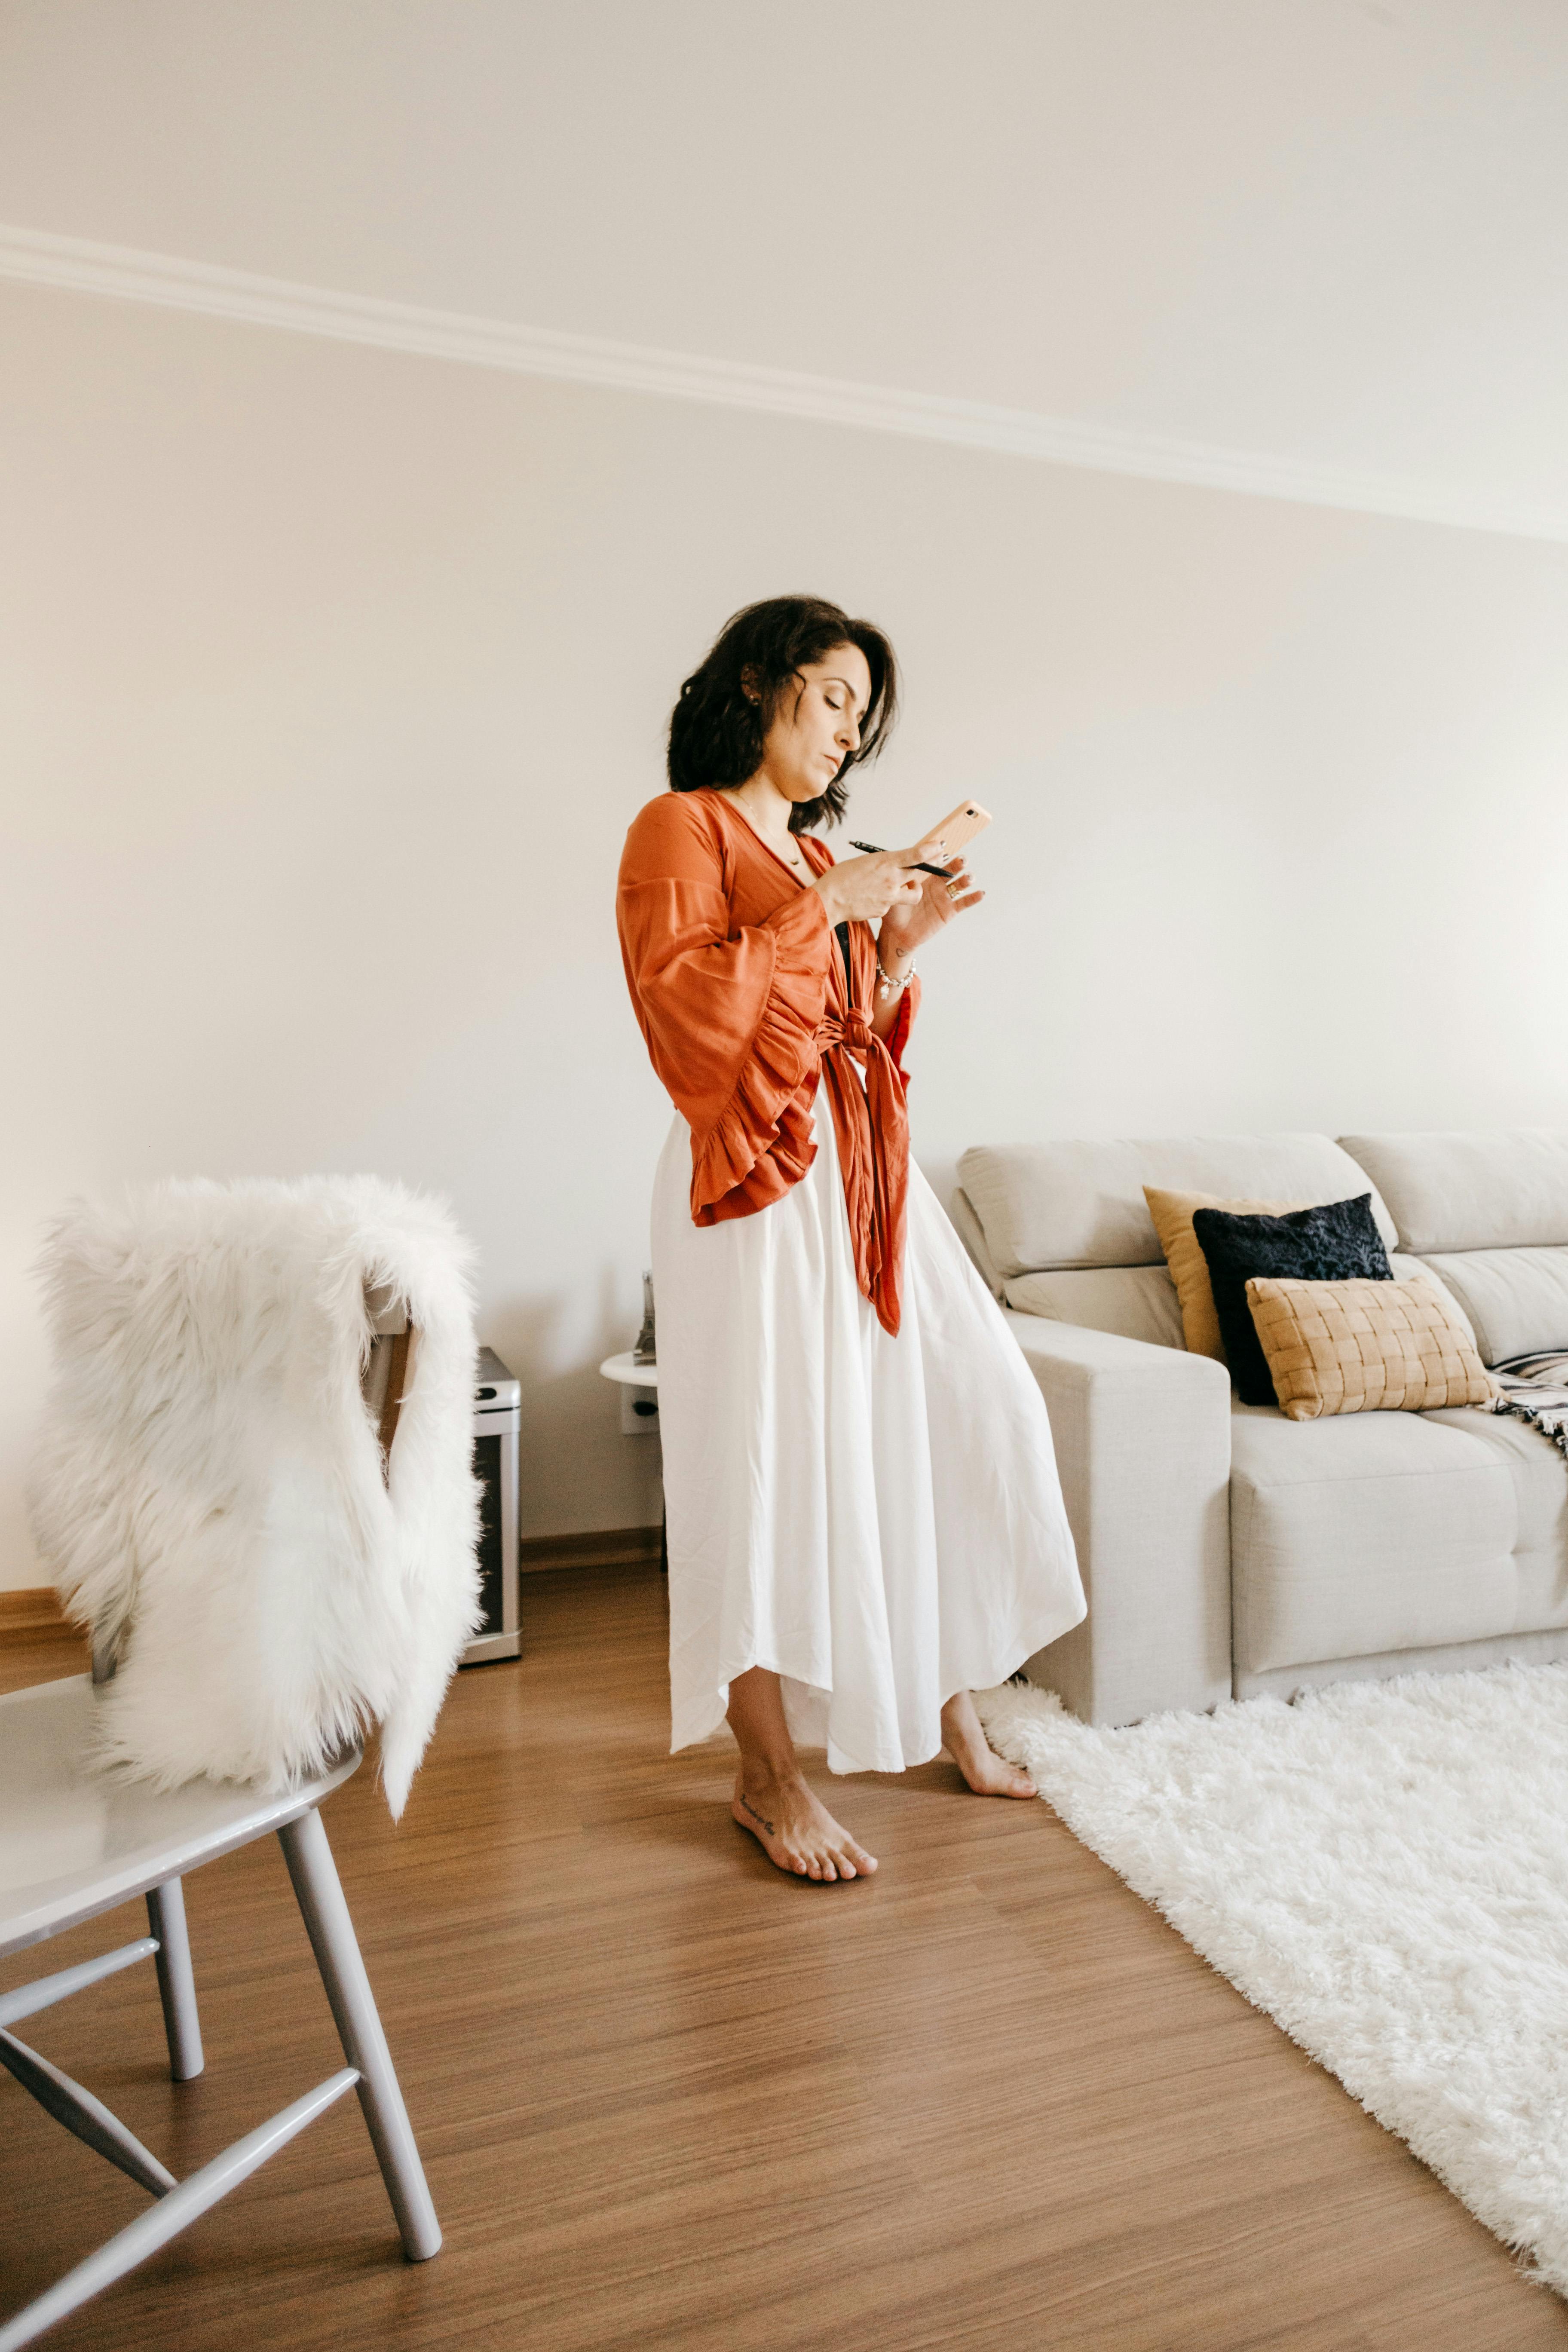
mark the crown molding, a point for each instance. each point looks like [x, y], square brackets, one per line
[78, 264]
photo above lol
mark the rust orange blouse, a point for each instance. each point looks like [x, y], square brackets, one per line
[741, 995]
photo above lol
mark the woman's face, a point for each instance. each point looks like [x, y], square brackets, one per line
[818, 723]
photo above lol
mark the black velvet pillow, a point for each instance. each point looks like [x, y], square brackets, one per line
[1334, 1243]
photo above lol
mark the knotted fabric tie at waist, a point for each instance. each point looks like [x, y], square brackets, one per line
[871, 1126]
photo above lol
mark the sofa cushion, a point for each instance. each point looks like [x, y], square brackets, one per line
[1502, 1190]
[1139, 1302]
[1411, 1269]
[1515, 1300]
[1336, 1242]
[1377, 1531]
[971, 1234]
[1172, 1216]
[1044, 1206]
[1539, 1476]
[1366, 1347]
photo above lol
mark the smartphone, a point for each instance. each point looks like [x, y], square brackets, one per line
[874, 849]
[967, 819]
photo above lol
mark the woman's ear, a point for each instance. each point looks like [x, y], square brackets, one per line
[750, 686]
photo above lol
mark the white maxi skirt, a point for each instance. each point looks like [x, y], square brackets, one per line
[878, 1520]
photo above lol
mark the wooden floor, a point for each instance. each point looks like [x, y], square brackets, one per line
[667, 2098]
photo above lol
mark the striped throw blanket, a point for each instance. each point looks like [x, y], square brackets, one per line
[1536, 1389]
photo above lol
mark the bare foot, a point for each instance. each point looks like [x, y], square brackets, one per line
[797, 1832]
[988, 1774]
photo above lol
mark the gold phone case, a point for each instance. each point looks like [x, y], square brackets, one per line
[957, 831]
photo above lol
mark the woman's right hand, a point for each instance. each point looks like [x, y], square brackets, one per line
[862, 890]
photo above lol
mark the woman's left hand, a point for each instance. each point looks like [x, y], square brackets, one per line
[908, 927]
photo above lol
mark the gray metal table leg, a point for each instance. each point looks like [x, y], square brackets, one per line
[331, 1930]
[176, 1984]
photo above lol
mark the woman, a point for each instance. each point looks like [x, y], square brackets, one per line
[864, 1516]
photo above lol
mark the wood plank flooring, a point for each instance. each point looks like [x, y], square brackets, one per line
[668, 2098]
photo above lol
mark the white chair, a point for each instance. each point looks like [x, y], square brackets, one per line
[75, 1842]
[255, 1485]
[261, 1573]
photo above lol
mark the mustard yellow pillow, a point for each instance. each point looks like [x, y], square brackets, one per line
[1364, 1346]
[1173, 1218]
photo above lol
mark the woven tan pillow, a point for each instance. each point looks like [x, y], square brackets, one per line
[1172, 1219]
[1366, 1347]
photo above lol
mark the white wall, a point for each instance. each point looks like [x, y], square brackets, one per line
[332, 679]
[1325, 231]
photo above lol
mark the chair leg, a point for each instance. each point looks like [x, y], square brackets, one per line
[183, 2203]
[91, 2121]
[332, 1939]
[176, 1985]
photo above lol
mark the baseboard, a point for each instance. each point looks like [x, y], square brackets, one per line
[599, 1548]
[32, 1617]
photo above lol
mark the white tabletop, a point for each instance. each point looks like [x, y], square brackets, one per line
[631, 1374]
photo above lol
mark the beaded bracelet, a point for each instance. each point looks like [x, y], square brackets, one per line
[887, 986]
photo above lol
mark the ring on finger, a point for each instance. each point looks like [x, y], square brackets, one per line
[952, 889]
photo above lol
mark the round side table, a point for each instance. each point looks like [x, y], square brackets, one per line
[642, 1381]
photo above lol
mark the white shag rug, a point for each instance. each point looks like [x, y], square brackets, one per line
[1383, 1868]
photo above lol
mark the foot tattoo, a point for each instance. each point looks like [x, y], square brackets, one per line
[802, 1838]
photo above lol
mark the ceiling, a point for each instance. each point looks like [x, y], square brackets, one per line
[1331, 232]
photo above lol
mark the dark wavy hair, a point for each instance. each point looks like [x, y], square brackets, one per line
[717, 731]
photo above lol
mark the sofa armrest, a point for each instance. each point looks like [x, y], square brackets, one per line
[1142, 1441]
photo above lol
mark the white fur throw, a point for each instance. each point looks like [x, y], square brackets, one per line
[209, 1480]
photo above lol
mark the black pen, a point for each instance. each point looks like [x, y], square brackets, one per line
[916, 865]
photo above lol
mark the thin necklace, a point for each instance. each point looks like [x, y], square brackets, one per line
[791, 856]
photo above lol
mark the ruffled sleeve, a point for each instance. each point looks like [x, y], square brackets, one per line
[730, 1012]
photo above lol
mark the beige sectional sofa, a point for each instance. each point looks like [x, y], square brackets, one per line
[1225, 1549]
